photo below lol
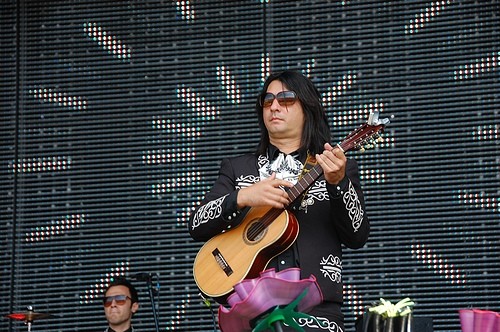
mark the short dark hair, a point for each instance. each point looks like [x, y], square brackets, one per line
[316, 128]
[121, 281]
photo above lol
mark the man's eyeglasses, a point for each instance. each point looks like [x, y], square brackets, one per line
[285, 98]
[119, 299]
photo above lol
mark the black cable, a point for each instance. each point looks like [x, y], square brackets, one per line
[208, 304]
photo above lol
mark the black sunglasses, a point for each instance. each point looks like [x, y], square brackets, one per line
[285, 98]
[119, 299]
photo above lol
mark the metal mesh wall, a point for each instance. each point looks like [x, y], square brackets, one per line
[115, 115]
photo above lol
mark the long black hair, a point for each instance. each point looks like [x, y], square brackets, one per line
[316, 131]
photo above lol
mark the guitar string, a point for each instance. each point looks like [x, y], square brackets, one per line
[273, 213]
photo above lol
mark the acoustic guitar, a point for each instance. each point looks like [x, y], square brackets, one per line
[244, 251]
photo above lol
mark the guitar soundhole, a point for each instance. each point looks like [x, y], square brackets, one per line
[255, 232]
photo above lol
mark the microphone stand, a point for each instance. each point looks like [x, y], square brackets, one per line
[151, 297]
[148, 278]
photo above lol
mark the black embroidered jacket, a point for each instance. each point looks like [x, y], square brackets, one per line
[329, 216]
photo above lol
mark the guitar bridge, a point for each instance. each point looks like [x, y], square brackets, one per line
[222, 262]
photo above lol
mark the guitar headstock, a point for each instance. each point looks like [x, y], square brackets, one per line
[367, 135]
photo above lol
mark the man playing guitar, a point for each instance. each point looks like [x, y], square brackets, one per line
[294, 202]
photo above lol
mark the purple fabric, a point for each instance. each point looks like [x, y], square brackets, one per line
[252, 297]
[476, 320]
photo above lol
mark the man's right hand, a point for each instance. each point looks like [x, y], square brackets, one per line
[268, 192]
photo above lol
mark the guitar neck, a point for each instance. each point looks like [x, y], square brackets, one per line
[312, 175]
[354, 140]
[305, 182]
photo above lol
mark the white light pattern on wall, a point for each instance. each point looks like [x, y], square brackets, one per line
[198, 104]
[483, 200]
[232, 91]
[41, 164]
[480, 66]
[265, 67]
[486, 133]
[185, 129]
[181, 130]
[357, 116]
[59, 98]
[426, 15]
[110, 43]
[182, 306]
[479, 200]
[437, 264]
[188, 131]
[353, 300]
[171, 185]
[372, 175]
[55, 228]
[187, 11]
[96, 290]
[161, 156]
[332, 93]
[309, 66]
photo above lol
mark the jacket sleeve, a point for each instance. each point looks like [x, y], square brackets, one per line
[348, 208]
[218, 211]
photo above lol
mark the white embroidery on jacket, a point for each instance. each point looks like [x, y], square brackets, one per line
[211, 210]
[353, 205]
[317, 192]
[244, 181]
[326, 325]
[262, 160]
[332, 268]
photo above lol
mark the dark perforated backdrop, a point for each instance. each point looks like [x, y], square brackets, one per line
[115, 116]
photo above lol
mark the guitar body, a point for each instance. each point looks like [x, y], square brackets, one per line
[242, 252]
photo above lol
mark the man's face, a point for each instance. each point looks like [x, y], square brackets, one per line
[283, 121]
[119, 316]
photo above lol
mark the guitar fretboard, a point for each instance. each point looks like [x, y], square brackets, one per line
[301, 186]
